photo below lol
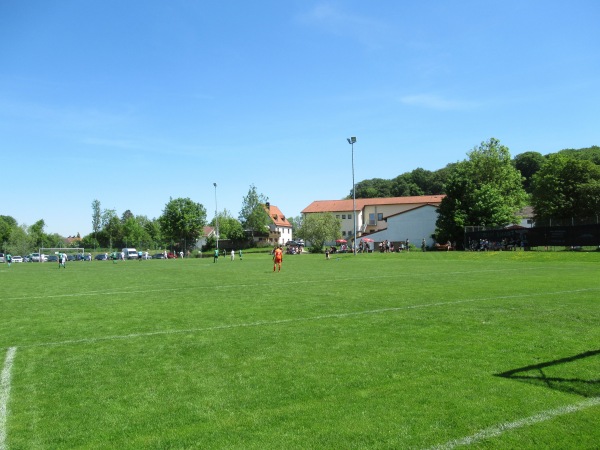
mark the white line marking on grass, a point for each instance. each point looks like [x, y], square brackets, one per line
[497, 430]
[297, 319]
[5, 394]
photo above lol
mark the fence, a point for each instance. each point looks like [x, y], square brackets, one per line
[539, 236]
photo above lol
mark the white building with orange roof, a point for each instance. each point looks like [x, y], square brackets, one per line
[372, 213]
[280, 229]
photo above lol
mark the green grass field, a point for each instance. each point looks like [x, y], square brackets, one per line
[422, 350]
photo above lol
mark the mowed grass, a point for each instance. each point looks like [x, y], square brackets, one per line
[374, 351]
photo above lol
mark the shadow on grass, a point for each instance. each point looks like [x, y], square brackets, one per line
[534, 374]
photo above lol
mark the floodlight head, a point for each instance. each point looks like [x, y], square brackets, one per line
[351, 140]
[215, 184]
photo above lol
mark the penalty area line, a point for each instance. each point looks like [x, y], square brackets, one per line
[5, 393]
[502, 428]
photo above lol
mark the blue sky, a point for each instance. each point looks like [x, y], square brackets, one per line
[134, 102]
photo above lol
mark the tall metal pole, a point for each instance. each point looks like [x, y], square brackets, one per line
[216, 215]
[351, 141]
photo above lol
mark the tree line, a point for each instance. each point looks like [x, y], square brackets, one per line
[180, 226]
[488, 189]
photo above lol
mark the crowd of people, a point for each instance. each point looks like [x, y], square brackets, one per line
[484, 245]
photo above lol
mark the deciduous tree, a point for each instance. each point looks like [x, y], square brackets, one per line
[183, 220]
[566, 187]
[319, 228]
[253, 215]
[485, 190]
[528, 164]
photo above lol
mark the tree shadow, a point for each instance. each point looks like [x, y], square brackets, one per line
[534, 374]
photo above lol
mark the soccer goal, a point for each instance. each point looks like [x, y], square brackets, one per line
[73, 253]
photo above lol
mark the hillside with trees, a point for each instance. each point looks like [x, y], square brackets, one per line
[425, 182]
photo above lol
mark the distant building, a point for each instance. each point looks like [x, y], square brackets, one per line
[207, 232]
[73, 240]
[372, 214]
[280, 229]
[413, 224]
[527, 215]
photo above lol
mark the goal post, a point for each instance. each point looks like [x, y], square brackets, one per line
[74, 251]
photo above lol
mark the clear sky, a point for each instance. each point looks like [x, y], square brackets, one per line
[133, 102]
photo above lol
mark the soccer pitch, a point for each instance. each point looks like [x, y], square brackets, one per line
[420, 350]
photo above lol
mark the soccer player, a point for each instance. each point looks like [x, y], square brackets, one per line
[277, 258]
[216, 255]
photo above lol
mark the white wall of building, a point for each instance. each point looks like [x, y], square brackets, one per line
[414, 225]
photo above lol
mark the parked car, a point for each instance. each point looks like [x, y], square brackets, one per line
[27, 258]
[1, 257]
[171, 255]
[158, 256]
[35, 257]
[17, 259]
[101, 257]
[51, 258]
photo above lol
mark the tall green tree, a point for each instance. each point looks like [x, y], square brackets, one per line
[38, 237]
[565, 188]
[134, 233]
[7, 223]
[485, 190]
[318, 229]
[182, 221]
[296, 223]
[373, 188]
[528, 163]
[152, 227]
[229, 226]
[19, 242]
[253, 215]
[126, 215]
[96, 217]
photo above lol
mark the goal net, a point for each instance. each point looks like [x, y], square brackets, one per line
[73, 253]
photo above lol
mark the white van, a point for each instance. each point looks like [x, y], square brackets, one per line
[130, 253]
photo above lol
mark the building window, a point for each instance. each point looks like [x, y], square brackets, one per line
[372, 220]
[343, 233]
[337, 216]
[349, 216]
[343, 216]
[379, 216]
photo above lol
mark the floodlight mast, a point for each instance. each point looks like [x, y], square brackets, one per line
[216, 215]
[351, 141]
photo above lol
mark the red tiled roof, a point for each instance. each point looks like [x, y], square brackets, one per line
[319, 206]
[277, 217]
